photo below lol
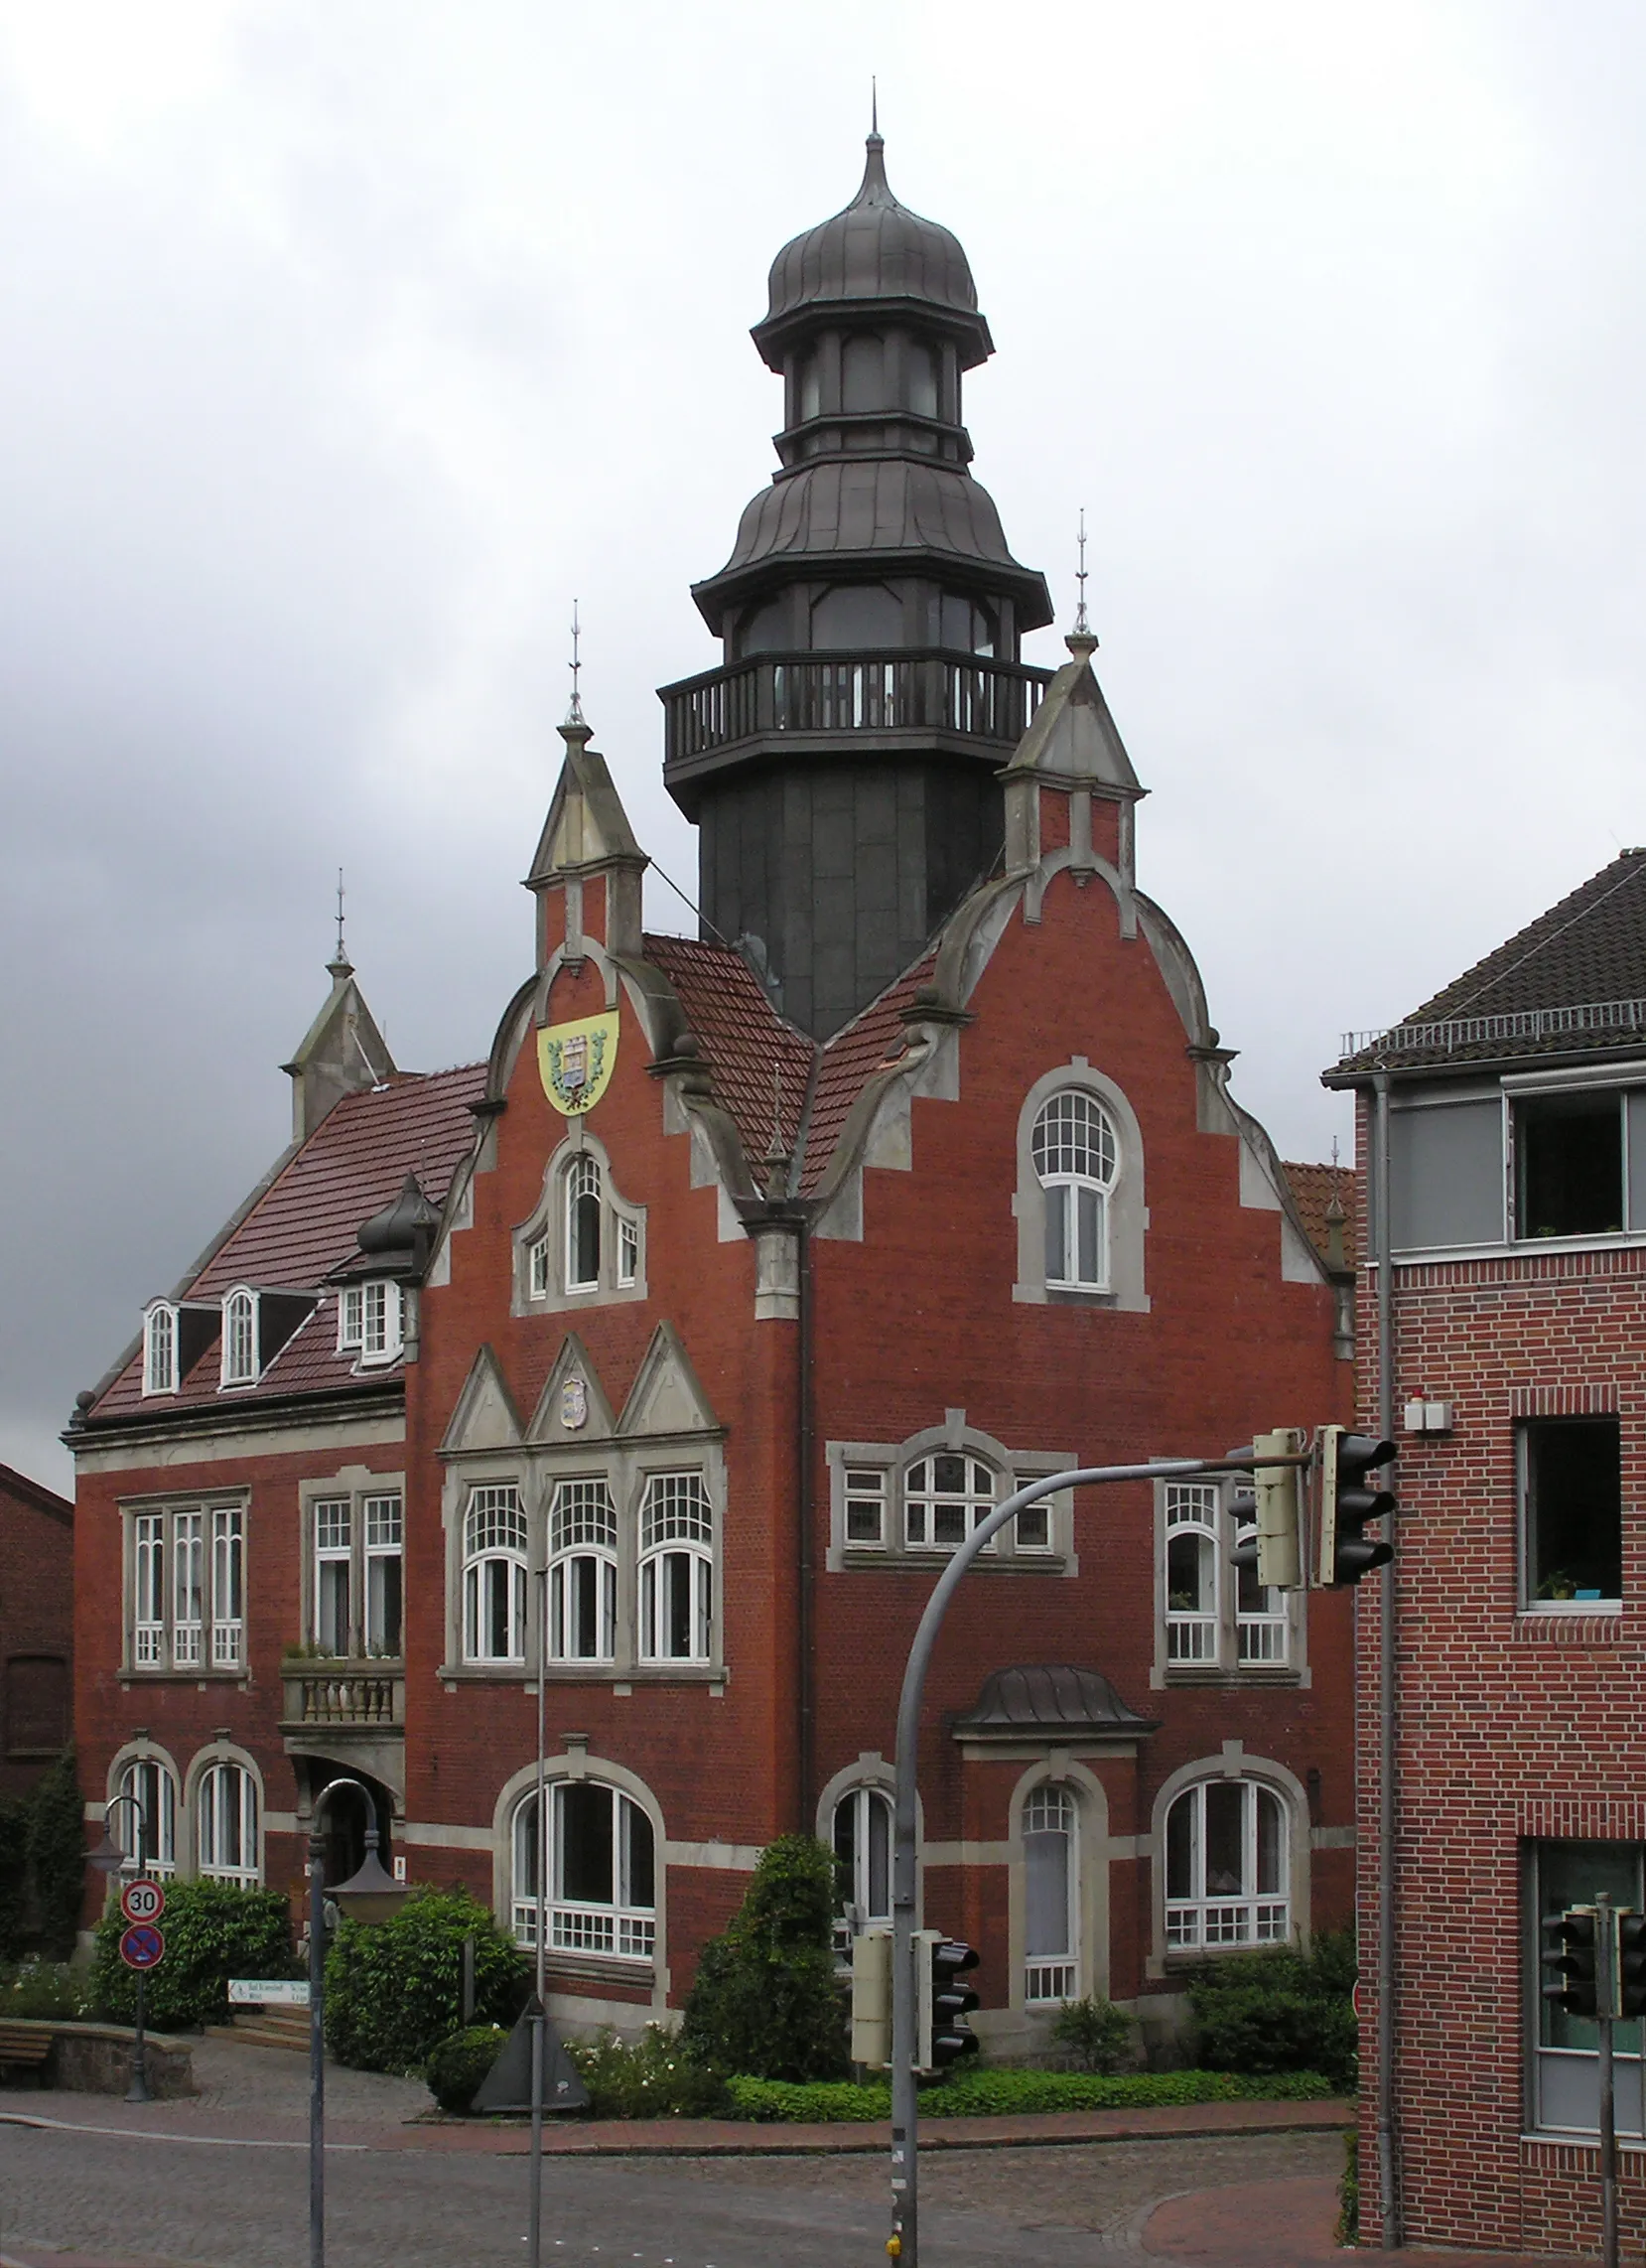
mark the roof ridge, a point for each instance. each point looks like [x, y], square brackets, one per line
[1580, 914]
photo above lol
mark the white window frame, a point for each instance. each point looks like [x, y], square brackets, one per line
[1194, 1512]
[1070, 1126]
[1050, 1816]
[583, 1181]
[867, 1490]
[495, 1548]
[863, 1822]
[548, 1274]
[240, 1367]
[538, 1272]
[870, 1492]
[629, 1251]
[187, 1586]
[383, 1513]
[1202, 1919]
[622, 1928]
[382, 1320]
[331, 1538]
[160, 1349]
[676, 1569]
[354, 1534]
[152, 1784]
[228, 1586]
[350, 1318]
[227, 1817]
[926, 1502]
[583, 1559]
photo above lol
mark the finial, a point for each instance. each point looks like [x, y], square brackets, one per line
[1081, 641]
[778, 1157]
[339, 965]
[574, 715]
[873, 104]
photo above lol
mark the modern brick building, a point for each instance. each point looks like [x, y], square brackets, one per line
[37, 1636]
[687, 1331]
[1514, 1106]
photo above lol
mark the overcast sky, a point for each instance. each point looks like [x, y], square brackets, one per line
[347, 341]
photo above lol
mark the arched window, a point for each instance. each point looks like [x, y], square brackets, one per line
[160, 1350]
[1226, 1865]
[1076, 1156]
[581, 1223]
[239, 1339]
[149, 1783]
[226, 1824]
[863, 1846]
[1191, 1613]
[582, 1572]
[944, 1497]
[1051, 1950]
[494, 1576]
[600, 1878]
[677, 1535]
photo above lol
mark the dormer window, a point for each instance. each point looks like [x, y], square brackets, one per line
[160, 1349]
[380, 1322]
[350, 1318]
[241, 1338]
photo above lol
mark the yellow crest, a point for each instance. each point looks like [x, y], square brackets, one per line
[576, 1062]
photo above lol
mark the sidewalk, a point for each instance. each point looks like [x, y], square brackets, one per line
[1286, 2224]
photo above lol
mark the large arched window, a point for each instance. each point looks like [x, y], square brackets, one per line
[863, 1846]
[494, 1576]
[149, 1783]
[1076, 1155]
[1191, 1562]
[600, 1890]
[1051, 1876]
[582, 1572]
[1226, 1865]
[583, 1223]
[677, 1536]
[226, 1824]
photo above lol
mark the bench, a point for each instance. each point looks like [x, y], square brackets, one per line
[24, 2043]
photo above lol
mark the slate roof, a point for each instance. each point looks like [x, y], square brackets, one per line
[1313, 1187]
[876, 248]
[303, 1225]
[1572, 982]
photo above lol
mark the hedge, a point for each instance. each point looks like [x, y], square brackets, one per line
[213, 1931]
[1014, 2093]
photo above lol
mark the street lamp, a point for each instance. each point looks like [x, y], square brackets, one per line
[370, 1895]
[108, 1858]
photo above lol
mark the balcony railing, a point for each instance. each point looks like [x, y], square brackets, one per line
[924, 692]
[364, 1694]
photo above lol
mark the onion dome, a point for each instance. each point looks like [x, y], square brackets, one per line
[401, 1227]
[874, 251]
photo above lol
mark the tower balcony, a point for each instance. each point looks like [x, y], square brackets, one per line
[836, 705]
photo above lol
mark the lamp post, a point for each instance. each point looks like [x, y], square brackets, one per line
[534, 2243]
[372, 1895]
[111, 1860]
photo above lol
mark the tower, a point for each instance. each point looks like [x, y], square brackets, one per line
[842, 762]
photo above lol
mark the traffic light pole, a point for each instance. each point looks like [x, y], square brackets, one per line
[904, 2244]
[1606, 2001]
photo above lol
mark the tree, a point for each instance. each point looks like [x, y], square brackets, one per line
[765, 2003]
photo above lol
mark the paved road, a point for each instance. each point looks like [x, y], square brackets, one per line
[243, 2207]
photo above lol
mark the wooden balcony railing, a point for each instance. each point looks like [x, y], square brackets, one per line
[961, 695]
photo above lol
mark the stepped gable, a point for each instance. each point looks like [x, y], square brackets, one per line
[745, 1042]
[305, 1224]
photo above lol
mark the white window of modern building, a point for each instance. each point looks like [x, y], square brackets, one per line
[601, 1887]
[1226, 1865]
[1052, 1877]
[239, 1351]
[863, 1846]
[677, 1569]
[160, 1349]
[582, 1572]
[1077, 1158]
[494, 1575]
[226, 1824]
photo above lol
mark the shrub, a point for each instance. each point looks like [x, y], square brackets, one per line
[1096, 2033]
[1280, 2010]
[652, 2076]
[14, 1877]
[458, 2064]
[1348, 2191]
[765, 2001]
[1015, 2094]
[215, 1931]
[57, 1857]
[45, 1992]
[395, 1989]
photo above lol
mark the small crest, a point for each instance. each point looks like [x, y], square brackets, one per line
[574, 1403]
[576, 1062]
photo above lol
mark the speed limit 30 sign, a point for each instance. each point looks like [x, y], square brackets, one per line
[142, 1900]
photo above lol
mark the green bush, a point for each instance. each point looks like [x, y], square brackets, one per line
[1013, 2093]
[213, 1931]
[652, 2076]
[395, 1989]
[43, 1992]
[765, 1999]
[1348, 2191]
[57, 1857]
[1096, 2033]
[1280, 2010]
[458, 2065]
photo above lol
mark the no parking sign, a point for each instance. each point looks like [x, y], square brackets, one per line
[142, 1946]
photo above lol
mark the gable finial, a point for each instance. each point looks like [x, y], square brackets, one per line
[1081, 641]
[339, 965]
[574, 715]
[780, 1158]
[873, 104]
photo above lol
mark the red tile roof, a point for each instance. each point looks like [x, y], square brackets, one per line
[756, 1059]
[1313, 1187]
[874, 1039]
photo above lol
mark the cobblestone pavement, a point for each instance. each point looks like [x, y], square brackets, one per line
[233, 2207]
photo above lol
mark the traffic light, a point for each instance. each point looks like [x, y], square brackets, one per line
[1631, 1963]
[1571, 1953]
[944, 2035]
[871, 1999]
[1347, 1505]
[1273, 1497]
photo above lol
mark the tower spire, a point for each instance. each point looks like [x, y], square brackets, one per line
[574, 715]
[339, 965]
[1081, 641]
[873, 104]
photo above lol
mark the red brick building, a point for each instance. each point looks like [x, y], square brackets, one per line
[37, 1632]
[689, 1330]
[1515, 1109]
